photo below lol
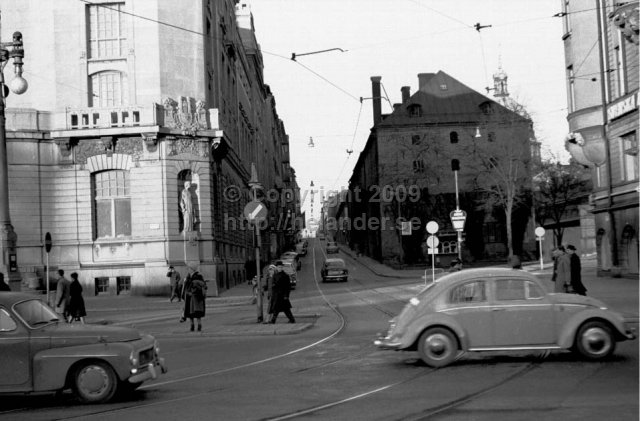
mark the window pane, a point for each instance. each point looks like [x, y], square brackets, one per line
[510, 290]
[103, 218]
[469, 292]
[123, 217]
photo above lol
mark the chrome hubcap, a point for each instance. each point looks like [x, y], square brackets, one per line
[438, 346]
[596, 340]
[93, 380]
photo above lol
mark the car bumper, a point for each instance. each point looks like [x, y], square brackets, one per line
[336, 277]
[385, 343]
[149, 372]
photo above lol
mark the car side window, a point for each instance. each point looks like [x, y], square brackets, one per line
[474, 291]
[510, 289]
[7, 324]
[533, 291]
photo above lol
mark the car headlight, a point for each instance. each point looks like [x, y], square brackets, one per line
[414, 301]
[156, 347]
[133, 358]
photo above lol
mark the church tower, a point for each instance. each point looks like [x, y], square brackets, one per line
[500, 89]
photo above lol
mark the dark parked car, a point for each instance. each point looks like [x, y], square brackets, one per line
[334, 270]
[41, 353]
[332, 247]
[499, 309]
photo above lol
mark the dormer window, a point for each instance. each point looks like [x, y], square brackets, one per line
[443, 87]
[414, 110]
[486, 108]
[453, 137]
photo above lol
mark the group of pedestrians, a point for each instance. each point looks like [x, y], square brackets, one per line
[567, 271]
[278, 287]
[69, 301]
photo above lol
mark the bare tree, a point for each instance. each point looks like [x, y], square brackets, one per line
[503, 164]
[557, 188]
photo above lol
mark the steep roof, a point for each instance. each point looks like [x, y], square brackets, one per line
[443, 99]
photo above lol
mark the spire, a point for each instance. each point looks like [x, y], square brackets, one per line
[500, 89]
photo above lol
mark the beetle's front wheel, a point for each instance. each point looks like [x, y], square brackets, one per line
[595, 340]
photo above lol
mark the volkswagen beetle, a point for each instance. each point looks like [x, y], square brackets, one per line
[41, 353]
[499, 309]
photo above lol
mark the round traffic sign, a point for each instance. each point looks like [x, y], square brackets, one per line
[432, 227]
[47, 242]
[255, 211]
[432, 241]
[540, 232]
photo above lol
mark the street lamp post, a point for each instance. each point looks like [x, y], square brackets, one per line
[458, 217]
[8, 238]
[255, 185]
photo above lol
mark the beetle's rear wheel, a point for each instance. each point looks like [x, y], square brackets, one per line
[437, 347]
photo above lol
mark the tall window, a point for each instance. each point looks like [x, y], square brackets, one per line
[112, 204]
[109, 89]
[418, 166]
[107, 31]
[629, 156]
[453, 137]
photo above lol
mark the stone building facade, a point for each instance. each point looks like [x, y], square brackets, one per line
[602, 88]
[134, 144]
[403, 178]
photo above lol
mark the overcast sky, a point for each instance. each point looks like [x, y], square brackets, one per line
[318, 95]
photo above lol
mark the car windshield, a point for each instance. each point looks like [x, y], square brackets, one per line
[35, 313]
[331, 244]
[335, 263]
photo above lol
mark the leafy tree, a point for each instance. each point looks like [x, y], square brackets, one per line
[557, 188]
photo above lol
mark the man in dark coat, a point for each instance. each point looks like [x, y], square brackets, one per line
[576, 277]
[3, 284]
[280, 290]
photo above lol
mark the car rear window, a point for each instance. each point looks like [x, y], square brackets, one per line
[335, 264]
[469, 292]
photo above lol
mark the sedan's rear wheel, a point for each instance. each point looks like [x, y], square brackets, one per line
[595, 340]
[95, 382]
[437, 347]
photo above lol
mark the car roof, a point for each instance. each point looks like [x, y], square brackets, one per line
[465, 274]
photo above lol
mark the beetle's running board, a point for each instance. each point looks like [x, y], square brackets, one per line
[515, 348]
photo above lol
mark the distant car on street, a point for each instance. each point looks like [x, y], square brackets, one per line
[332, 247]
[301, 249]
[42, 353]
[292, 256]
[500, 309]
[334, 269]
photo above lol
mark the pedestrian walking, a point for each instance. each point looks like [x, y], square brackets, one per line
[3, 284]
[561, 270]
[174, 284]
[194, 295]
[280, 290]
[62, 295]
[576, 269]
[76, 309]
[268, 286]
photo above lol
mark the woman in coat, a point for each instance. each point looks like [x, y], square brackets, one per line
[194, 294]
[562, 270]
[76, 309]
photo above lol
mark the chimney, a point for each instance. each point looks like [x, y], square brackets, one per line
[375, 93]
[423, 79]
[405, 93]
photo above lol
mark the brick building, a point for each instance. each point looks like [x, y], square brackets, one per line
[404, 174]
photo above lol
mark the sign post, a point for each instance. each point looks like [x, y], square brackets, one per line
[256, 212]
[432, 243]
[540, 234]
[47, 248]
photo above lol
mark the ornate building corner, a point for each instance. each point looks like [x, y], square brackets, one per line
[109, 143]
[626, 19]
[66, 145]
[151, 140]
[186, 114]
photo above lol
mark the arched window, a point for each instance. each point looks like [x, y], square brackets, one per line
[108, 89]
[112, 204]
[453, 137]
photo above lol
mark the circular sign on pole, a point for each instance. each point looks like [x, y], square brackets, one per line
[47, 242]
[255, 211]
[540, 232]
[432, 227]
[432, 241]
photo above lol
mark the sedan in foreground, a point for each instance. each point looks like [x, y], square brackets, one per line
[41, 353]
[499, 309]
[334, 270]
